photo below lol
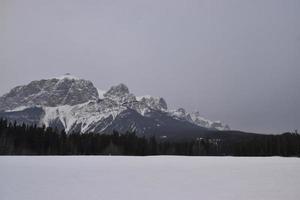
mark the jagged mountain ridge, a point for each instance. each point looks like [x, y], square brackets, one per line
[64, 90]
[75, 104]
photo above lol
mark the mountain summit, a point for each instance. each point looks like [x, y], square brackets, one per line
[74, 104]
[119, 90]
[64, 90]
[119, 93]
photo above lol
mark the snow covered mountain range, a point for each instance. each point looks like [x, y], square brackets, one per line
[75, 104]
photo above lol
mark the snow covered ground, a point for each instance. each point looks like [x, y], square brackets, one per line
[142, 178]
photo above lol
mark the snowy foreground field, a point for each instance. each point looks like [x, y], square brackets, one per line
[161, 177]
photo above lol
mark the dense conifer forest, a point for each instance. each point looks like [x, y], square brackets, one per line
[16, 139]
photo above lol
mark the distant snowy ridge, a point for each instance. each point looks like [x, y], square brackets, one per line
[196, 119]
[75, 104]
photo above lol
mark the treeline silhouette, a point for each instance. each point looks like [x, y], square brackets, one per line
[25, 139]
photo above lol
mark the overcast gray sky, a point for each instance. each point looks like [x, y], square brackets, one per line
[233, 60]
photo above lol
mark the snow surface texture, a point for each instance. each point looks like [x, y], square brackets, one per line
[153, 178]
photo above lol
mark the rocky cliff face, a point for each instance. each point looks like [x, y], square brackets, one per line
[65, 90]
[74, 105]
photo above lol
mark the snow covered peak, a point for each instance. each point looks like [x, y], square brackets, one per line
[195, 118]
[118, 90]
[200, 121]
[50, 92]
[181, 114]
[120, 94]
[156, 103]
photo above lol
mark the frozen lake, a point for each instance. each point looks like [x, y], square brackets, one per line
[140, 178]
